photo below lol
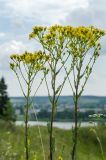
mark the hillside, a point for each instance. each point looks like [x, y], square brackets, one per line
[12, 143]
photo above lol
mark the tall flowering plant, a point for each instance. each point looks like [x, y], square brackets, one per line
[84, 51]
[26, 67]
[54, 40]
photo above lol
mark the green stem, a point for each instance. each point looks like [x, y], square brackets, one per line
[74, 149]
[101, 149]
[76, 98]
[26, 121]
[52, 114]
[99, 142]
[51, 134]
[26, 132]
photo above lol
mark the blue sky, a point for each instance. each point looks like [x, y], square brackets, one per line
[17, 18]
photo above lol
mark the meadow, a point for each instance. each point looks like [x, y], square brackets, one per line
[12, 143]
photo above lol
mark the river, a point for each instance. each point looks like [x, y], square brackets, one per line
[61, 125]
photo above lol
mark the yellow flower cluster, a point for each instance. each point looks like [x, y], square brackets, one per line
[79, 37]
[81, 32]
[36, 59]
[60, 158]
[28, 57]
[36, 31]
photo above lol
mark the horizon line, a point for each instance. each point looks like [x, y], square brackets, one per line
[61, 96]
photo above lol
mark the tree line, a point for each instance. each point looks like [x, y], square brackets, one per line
[7, 111]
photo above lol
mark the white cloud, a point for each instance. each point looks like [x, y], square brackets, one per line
[26, 6]
[12, 46]
[8, 48]
[2, 34]
[42, 10]
[93, 14]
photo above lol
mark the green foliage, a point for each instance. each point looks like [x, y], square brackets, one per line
[3, 96]
[12, 143]
[7, 111]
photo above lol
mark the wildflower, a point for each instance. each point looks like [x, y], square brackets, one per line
[22, 158]
[60, 158]
[34, 157]
[36, 60]
[79, 37]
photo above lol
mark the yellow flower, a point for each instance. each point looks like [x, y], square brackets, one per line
[36, 31]
[12, 66]
[32, 35]
[60, 158]
[35, 60]
[22, 158]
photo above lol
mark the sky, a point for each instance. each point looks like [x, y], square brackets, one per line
[17, 17]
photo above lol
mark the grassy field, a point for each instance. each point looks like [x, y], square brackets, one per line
[12, 143]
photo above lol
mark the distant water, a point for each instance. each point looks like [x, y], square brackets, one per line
[61, 125]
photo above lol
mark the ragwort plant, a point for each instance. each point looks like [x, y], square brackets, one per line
[26, 67]
[55, 41]
[84, 51]
[62, 43]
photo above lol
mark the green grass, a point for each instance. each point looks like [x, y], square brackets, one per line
[12, 143]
